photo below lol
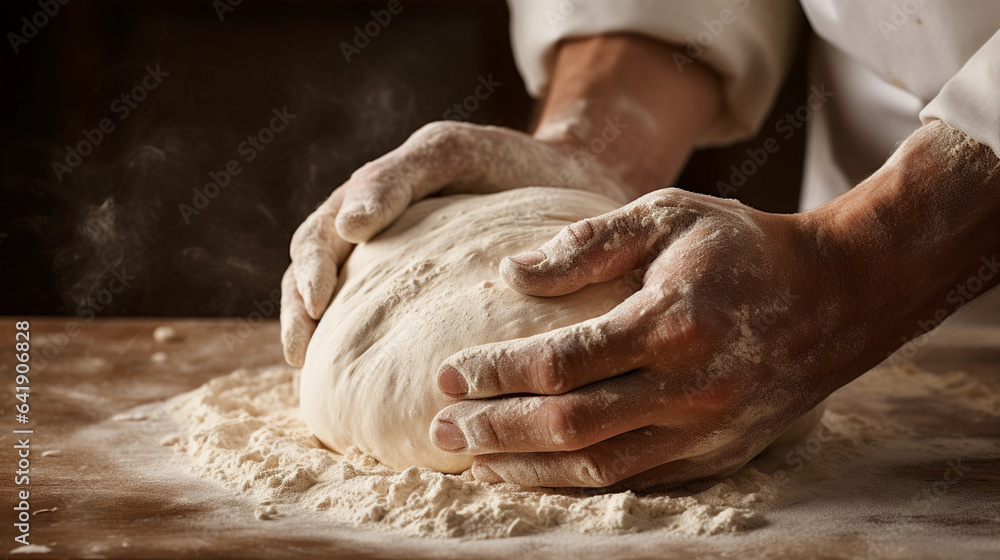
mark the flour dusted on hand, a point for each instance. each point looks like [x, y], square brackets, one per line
[422, 290]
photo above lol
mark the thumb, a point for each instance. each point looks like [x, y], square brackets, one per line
[590, 251]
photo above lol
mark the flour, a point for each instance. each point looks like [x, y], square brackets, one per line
[130, 417]
[165, 334]
[902, 382]
[31, 549]
[244, 430]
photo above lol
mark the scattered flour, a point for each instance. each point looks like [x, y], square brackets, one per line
[244, 430]
[130, 417]
[908, 381]
[31, 549]
[165, 334]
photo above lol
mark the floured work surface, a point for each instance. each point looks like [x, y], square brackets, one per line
[907, 465]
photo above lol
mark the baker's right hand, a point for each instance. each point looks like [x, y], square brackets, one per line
[439, 158]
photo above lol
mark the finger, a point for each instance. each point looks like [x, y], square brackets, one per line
[297, 326]
[450, 155]
[555, 362]
[591, 250]
[317, 251]
[677, 473]
[558, 423]
[597, 466]
[379, 192]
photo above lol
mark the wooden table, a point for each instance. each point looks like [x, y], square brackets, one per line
[100, 508]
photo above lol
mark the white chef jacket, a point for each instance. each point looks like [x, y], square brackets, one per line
[891, 64]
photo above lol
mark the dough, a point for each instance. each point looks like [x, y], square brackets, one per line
[422, 290]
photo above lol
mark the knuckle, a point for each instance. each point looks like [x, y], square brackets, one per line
[449, 148]
[378, 172]
[595, 471]
[693, 335]
[436, 128]
[488, 434]
[693, 330]
[580, 233]
[441, 135]
[549, 375]
[311, 229]
[675, 207]
[567, 428]
[668, 197]
[367, 169]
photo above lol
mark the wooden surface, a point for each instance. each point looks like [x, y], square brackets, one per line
[99, 507]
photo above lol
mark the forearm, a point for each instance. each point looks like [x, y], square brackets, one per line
[923, 233]
[622, 102]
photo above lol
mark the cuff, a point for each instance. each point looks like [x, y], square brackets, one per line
[970, 100]
[747, 43]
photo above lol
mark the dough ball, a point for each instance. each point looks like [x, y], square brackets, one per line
[420, 291]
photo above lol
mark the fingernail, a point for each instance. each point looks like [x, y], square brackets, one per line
[448, 437]
[295, 340]
[353, 209]
[452, 383]
[317, 277]
[485, 474]
[531, 258]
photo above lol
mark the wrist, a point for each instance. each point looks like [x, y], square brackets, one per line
[619, 102]
[913, 232]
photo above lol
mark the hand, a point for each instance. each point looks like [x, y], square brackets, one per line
[442, 157]
[739, 326]
[604, 111]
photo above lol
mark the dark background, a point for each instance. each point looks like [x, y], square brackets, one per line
[117, 213]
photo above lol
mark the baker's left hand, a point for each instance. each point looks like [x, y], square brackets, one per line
[744, 322]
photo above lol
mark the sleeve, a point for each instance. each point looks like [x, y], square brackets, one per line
[970, 100]
[748, 43]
